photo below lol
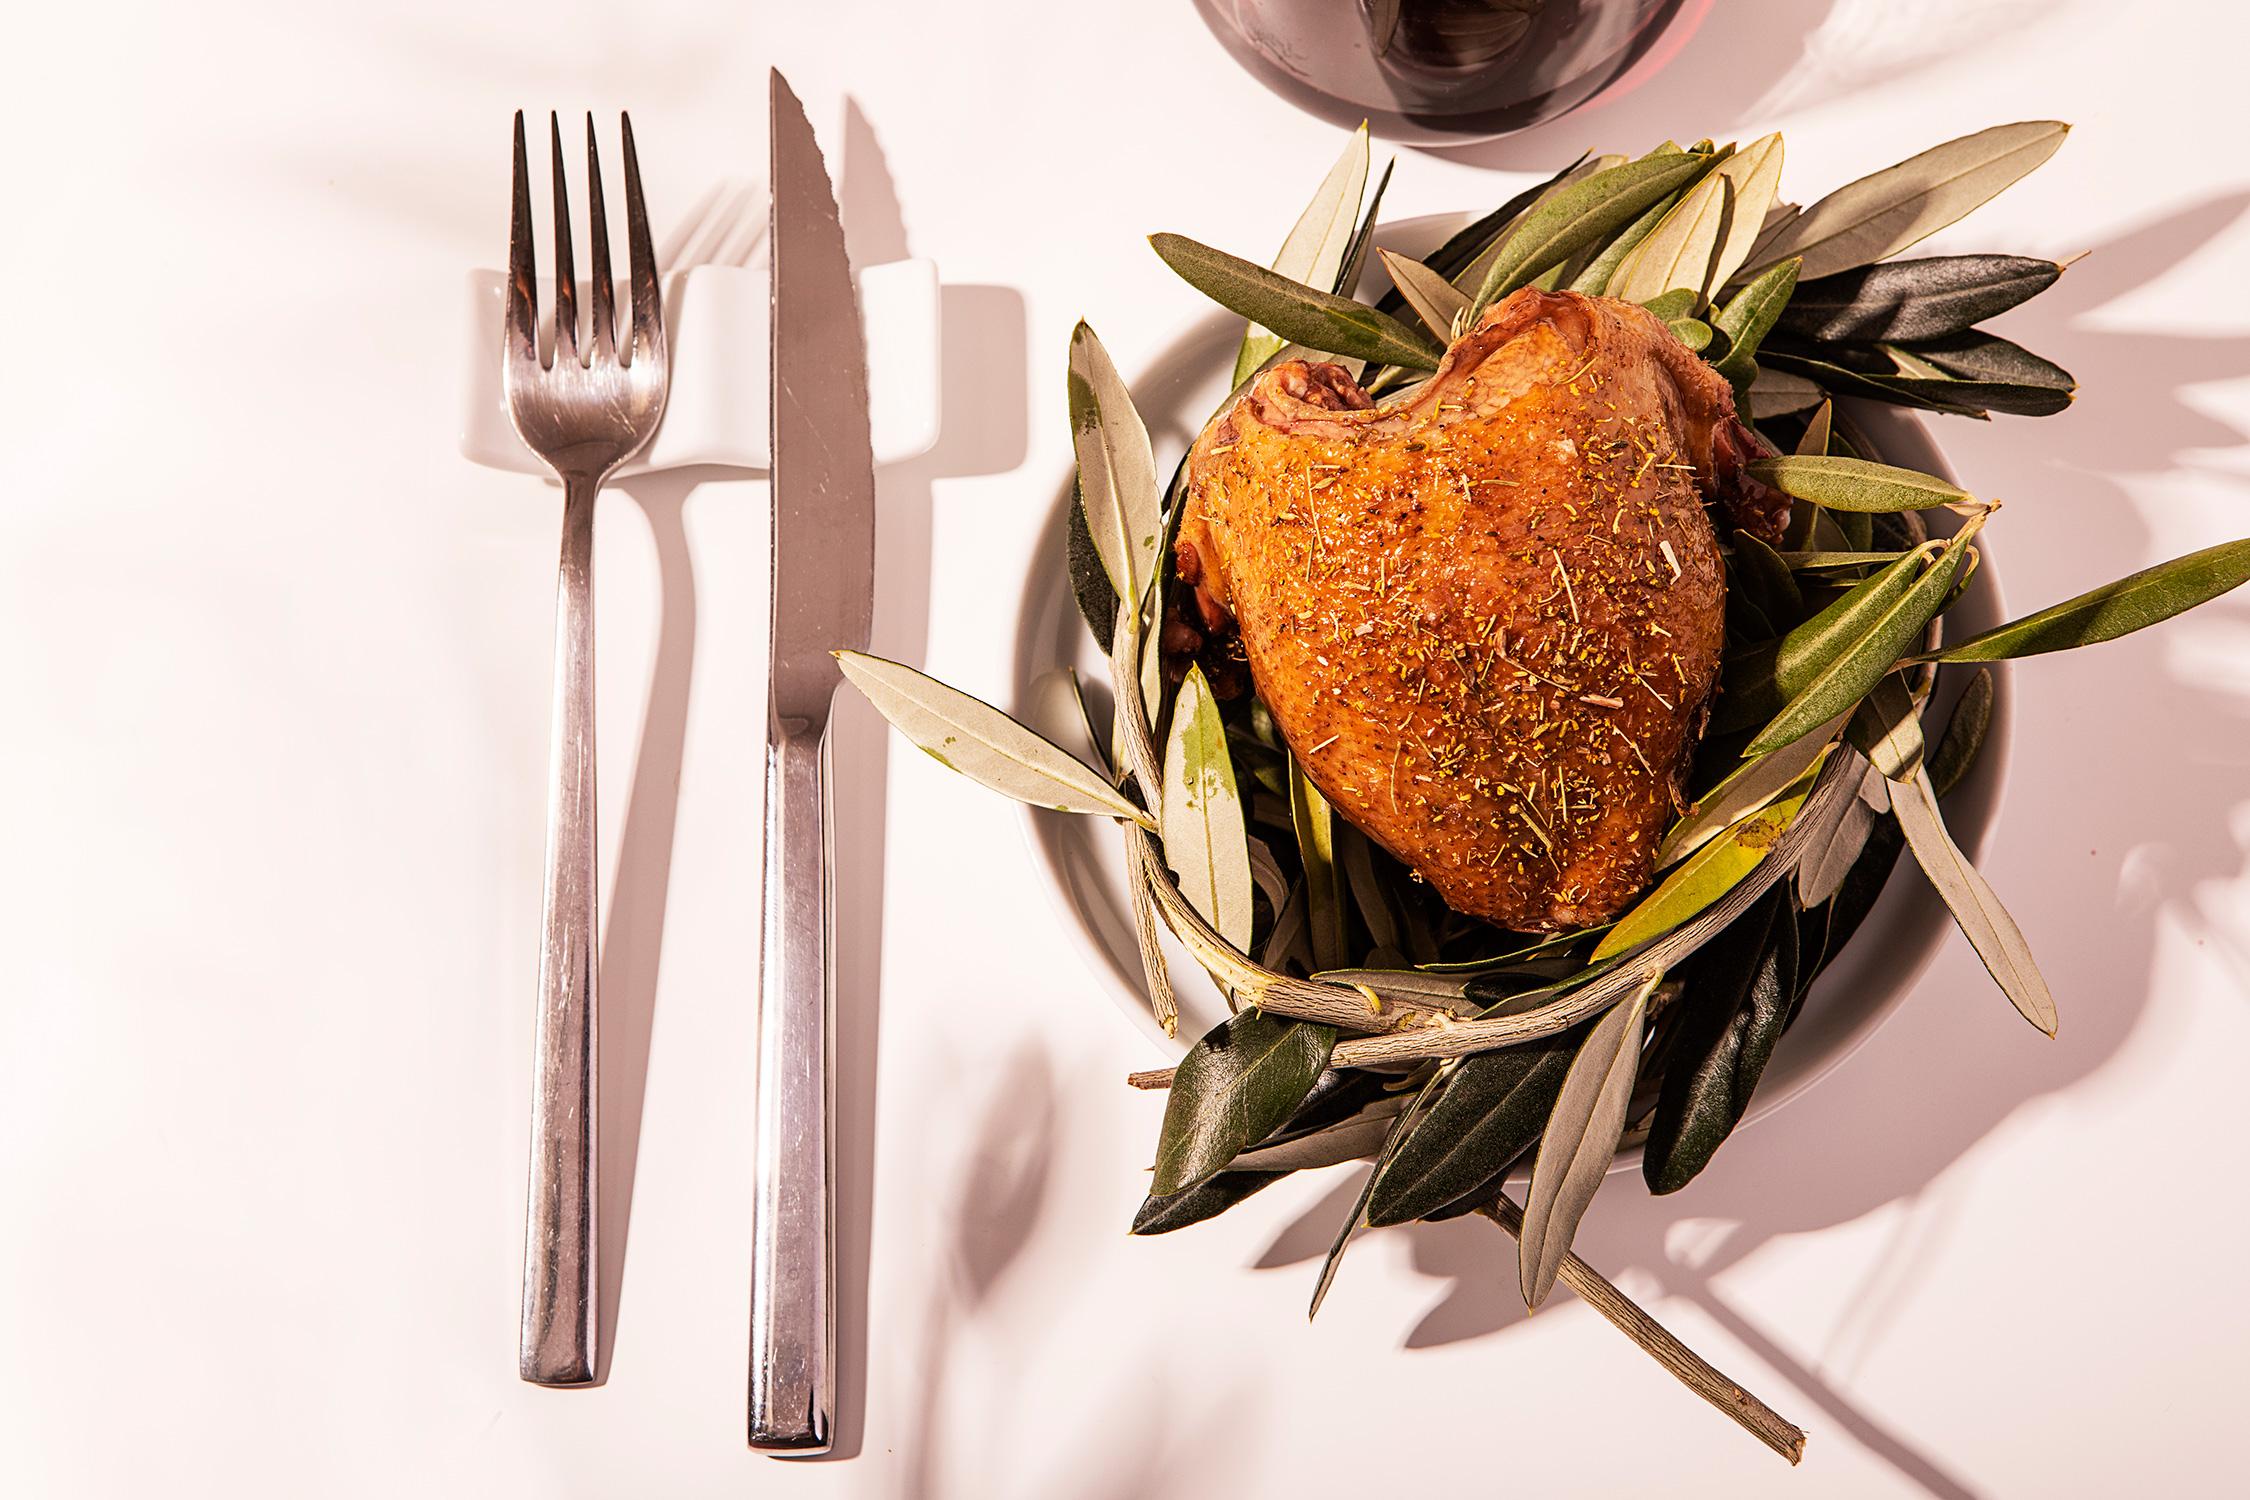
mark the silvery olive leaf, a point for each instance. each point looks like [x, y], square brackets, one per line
[974, 738]
[1881, 214]
[1116, 470]
[1205, 842]
[1579, 1140]
[1983, 920]
[1318, 243]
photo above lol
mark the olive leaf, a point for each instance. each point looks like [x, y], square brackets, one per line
[1671, 305]
[1205, 842]
[1462, 248]
[1760, 682]
[1707, 874]
[1487, 1114]
[1747, 316]
[1854, 671]
[1471, 277]
[1357, 861]
[1317, 245]
[2131, 603]
[1823, 562]
[1237, 1085]
[1881, 214]
[1358, 1215]
[1963, 739]
[1776, 393]
[1745, 789]
[1580, 215]
[1089, 577]
[1678, 252]
[1434, 299]
[1887, 729]
[1600, 269]
[972, 737]
[1314, 822]
[1693, 332]
[1831, 851]
[1905, 300]
[1754, 174]
[1948, 396]
[1116, 469]
[1767, 578]
[1355, 259]
[1318, 320]
[1982, 919]
[1331, 1145]
[1814, 443]
[1854, 483]
[1579, 1141]
[1735, 1002]
[1976, 356]
[1163, 1213]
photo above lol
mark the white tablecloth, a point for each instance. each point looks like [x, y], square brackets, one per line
[276, 673]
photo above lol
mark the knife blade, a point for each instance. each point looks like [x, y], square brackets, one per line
[823, 496]
[823, 462]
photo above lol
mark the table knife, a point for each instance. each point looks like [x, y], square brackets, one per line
[823, 601]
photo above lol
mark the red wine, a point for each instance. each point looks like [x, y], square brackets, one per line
[1438, 70]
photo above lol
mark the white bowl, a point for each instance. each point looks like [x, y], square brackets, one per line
[1083, 857]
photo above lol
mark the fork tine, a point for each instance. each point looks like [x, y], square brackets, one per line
[648, 310]
[597, 227]
[566, 276]
[521, 327]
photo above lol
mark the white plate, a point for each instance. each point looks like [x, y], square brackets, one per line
[1083, 857]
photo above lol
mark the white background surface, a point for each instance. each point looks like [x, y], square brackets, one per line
[276, 672]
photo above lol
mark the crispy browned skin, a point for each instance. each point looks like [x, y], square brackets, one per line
[1487, 617]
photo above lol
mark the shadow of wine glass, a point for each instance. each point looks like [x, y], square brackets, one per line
[1944, 1074]
[1770, 57]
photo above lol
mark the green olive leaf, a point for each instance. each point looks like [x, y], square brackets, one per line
[1490, 1110]
[972, 737]
[1736, 997]
[1826, 376]
[1580, 215]
[1318, 320]
[1747, 316]
[1238, 1084]
[2115, 609]
[1205, 841]
[1163, 1213]
[1707, 874]
[1854, 671]
[1881, 214]
[1748, 787]
[1579, 1141]
[1854, 483]
[1600, 270]
[1314, 822]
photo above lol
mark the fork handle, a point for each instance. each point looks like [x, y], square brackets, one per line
[559, 1336]
[792, 1265]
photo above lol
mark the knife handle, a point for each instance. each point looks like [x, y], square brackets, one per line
[792, 1258]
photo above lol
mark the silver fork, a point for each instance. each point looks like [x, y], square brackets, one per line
[584, 414]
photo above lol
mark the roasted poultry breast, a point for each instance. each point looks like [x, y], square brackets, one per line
[1486, 615]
